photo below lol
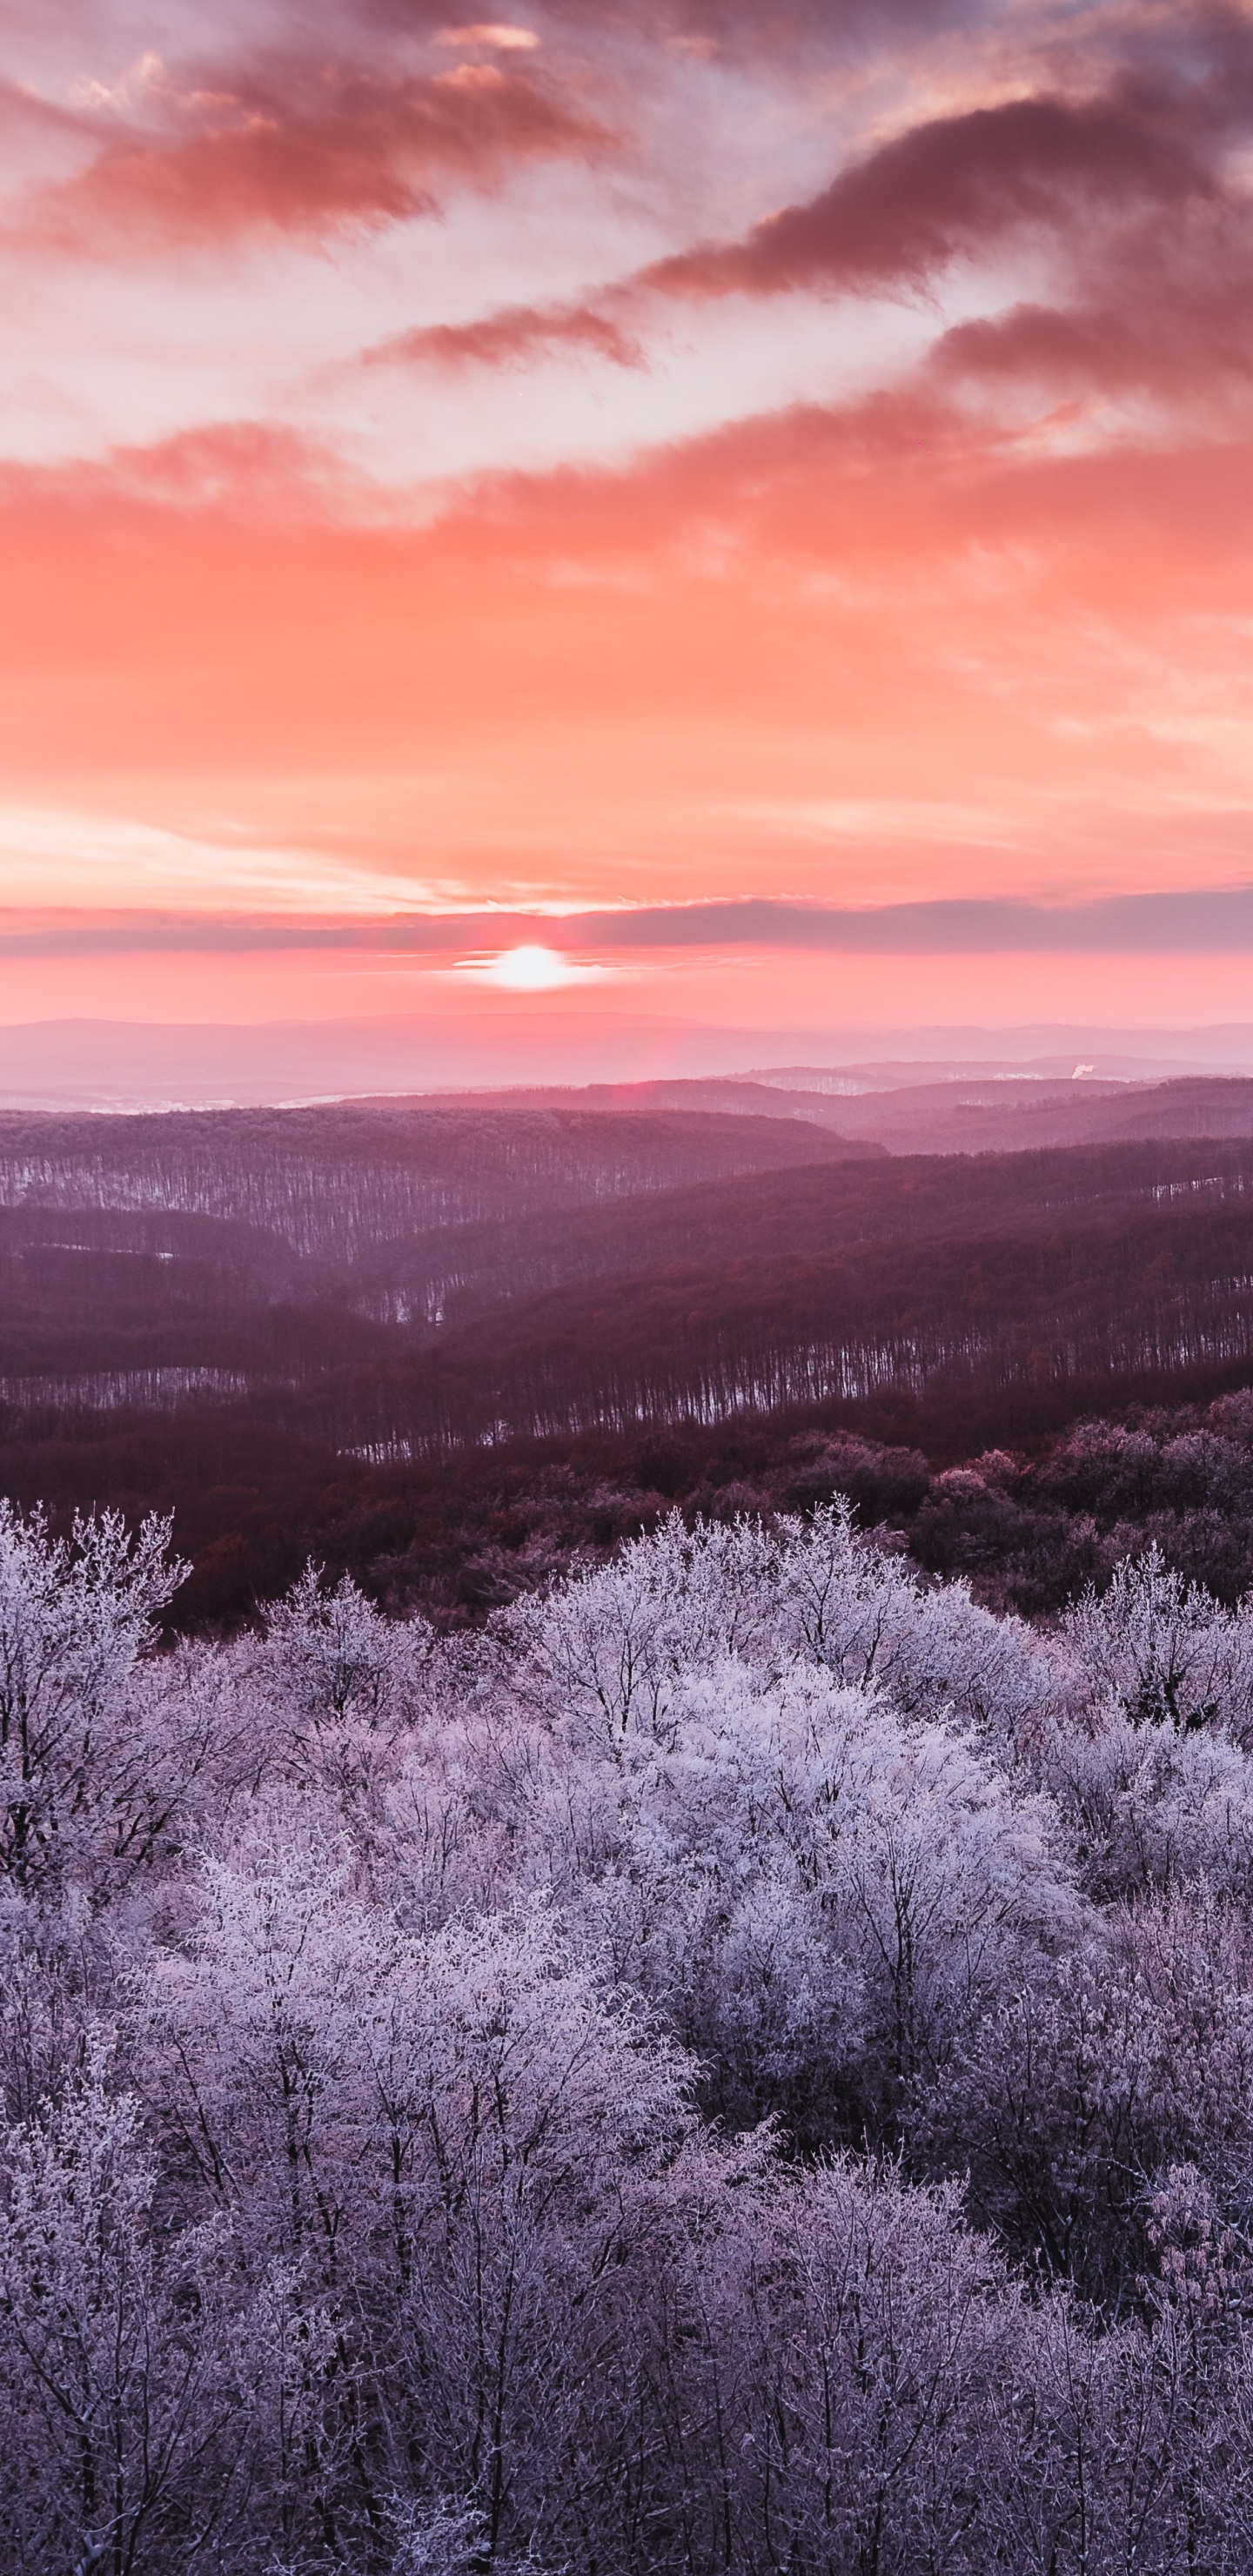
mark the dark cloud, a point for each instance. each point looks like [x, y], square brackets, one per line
[516, 335]
[304, 146]
[1161, 306]
[739, 30]
[1131, 179]
[953, 188]
[1204, 922]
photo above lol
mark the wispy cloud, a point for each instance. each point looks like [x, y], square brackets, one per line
[300, 143]
[537, 951]
[516, 336]
[1104, 182]
[805, 455]
[55, 863]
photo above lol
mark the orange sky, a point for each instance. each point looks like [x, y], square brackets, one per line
[620, 459]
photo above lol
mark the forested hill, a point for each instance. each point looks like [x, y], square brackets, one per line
[325, 1183]
[558, 1274]
[1114, 1269]
[383, 1334]
[955, 1111]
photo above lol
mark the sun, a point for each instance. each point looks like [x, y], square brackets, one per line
[531, 970]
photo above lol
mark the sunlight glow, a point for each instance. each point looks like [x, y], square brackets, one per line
[530, 970]
[503, 39]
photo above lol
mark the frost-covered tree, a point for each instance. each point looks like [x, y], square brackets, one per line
[1164, 1649]
[123, 2446]
[1147, 1806]
[865, 1615]
[612, 1645]
[650, 2089]
[77, 1614]
[333, 1657]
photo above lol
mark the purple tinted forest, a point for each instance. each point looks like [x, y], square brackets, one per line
[740, 2061]
[611, 1963]
[446, 1349]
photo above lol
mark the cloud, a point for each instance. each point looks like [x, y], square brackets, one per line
[740, 31]
[1019, 665]
[248, 470]
[25, 111]
[997, 607]
[298, 146]
[516, 335]
[533, 950]
[67, 870]
[1079, 174]
[950, 188]
[1161, 306]
[496, 39]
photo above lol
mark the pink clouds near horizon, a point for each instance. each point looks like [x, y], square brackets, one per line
[624, 458]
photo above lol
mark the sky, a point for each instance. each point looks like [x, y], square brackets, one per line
[681, 514]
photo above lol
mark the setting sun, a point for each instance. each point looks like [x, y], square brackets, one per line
[531, 969]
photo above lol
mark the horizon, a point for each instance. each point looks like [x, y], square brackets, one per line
[115, 1066]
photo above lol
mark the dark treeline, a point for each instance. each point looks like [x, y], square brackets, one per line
[1025, 1504]
[174, 1241]
[472, 1358]
[1124, 1300]
[326, 1182]
[699, 1297]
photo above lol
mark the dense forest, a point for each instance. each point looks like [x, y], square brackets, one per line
[450, 1350]
[459, 1536]
[739, 2063]
[389, 1283]
[626, 1850]
[945, 1109]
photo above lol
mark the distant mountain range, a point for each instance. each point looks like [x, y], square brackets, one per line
[119, 1065]
[961, 1112]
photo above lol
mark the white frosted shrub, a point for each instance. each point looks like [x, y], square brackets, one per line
[794, 1866]
[86, 1777]
[1164, 1648]
[331, 1656]
[576, 2097]
[866, 1616]
[611, 1646]
[324, 2067]
[115, 2362]
[1148, 1807]
[1127, 2053]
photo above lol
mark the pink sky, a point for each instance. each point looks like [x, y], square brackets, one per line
[612, 459]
